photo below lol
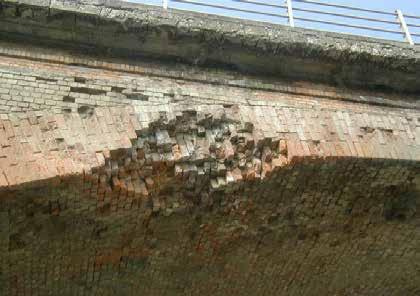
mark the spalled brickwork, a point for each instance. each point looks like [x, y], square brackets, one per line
[131, 182]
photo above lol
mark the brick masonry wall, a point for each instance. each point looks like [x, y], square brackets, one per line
[130, 181]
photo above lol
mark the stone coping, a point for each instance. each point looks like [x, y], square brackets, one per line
[119, 29]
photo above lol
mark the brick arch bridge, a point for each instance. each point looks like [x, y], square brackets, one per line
[153, 152]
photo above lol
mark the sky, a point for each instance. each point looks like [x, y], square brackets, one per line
[409, 7]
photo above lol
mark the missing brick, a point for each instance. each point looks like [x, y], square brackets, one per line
[38, 78]
[16, 242]
[69, 99]
[367, 129]
[387, 131]
[137, 97]
[117, 89]
[76, 64]
[87, 90]
[80, 79]
[85, 111]
[400, 204]
[171, 94]
[18, 12]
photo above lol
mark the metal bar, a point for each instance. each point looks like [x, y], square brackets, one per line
[345, 6]
[347, 25]
[415, 34]
[229, 8]
[404, 27]
[345, 15]
[261, 3]
[290, 13]
[413, 25]
[412, 16]
[165, 4]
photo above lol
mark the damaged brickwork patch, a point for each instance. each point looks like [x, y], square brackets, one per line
[192, 193]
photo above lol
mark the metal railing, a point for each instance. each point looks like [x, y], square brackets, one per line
[320, 14]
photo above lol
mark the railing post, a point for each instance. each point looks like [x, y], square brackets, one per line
[290, 13]
[404, 27]
[165, 4]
